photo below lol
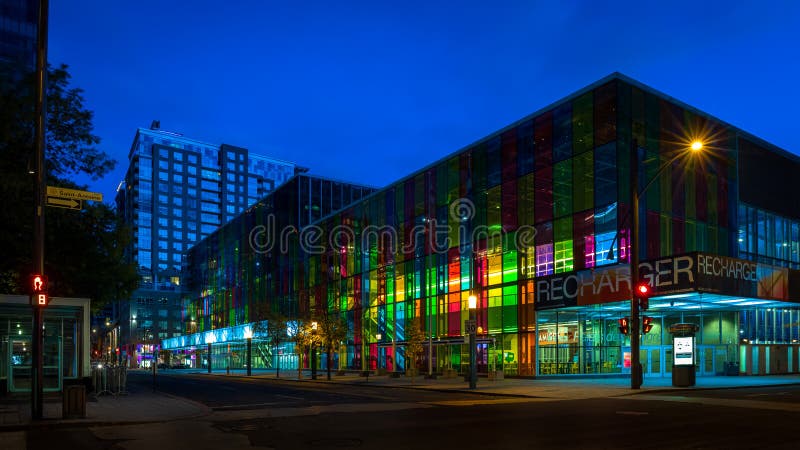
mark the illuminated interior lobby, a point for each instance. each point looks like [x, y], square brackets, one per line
[535, 220]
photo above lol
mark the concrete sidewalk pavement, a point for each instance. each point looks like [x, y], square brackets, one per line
[144, 406]
[136, 407]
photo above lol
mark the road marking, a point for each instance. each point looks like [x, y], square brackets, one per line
[633, 413]
[493, 401]
[245, 406]
[767, 394]
[289, 396]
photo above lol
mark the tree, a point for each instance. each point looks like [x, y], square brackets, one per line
[332, 330]
[272, 325]
[83, 249]
[414, 340]
[303, 337]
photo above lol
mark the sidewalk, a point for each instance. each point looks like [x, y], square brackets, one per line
[136, 407]
[543, 387]
[145, 406]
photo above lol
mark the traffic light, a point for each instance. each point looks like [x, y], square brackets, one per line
[38, 285]
[647, 324]
[623, 325]
[643, 294]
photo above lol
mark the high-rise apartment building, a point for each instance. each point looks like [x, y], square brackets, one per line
[18, 22]
[177, 191]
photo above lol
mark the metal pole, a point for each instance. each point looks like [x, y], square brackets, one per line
[155, 363]
[208, 357]
[473, 366]
[313, 361]
[636, 368]
[37, 343]
[430, 341]
[249, 356]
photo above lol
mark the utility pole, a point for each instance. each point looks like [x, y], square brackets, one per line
[37, 344]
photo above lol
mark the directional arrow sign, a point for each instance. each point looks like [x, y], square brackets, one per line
[53, 191]
[65, 203]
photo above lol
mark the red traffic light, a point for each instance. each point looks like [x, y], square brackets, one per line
[643, 290]
[38, 283]
[623, 325]
[647, 324]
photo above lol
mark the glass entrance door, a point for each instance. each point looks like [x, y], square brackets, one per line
[652, 359]
[705, 360]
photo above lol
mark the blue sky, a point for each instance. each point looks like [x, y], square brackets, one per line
[371, 91]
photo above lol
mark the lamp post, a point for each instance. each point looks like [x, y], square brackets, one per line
[472, 328]
[378, 338]
[248, 335]
[313, 350]
[636, 367]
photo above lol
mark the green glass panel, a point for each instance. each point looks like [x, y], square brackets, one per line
[563, 257]
[562, 188]
[583, 123]
[493, 204]
[510, 319]
[510, 272]
[583, 182]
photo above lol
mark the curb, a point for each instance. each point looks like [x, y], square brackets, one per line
[347, 383]
[660, 390]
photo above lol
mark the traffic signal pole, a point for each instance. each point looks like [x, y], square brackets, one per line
[37, 337]
[636, 367]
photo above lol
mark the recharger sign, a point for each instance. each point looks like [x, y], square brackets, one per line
[695, 272]
[613, 283]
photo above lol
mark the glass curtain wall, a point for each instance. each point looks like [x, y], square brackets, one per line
[546, 195]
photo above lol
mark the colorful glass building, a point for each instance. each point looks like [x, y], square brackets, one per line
[534, 220]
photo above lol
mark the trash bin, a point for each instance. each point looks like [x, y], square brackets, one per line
[74, 402]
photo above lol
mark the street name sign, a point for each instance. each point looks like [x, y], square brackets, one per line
[74, 194]
[67, 203]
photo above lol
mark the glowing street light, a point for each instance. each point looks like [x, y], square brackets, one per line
[472, 304]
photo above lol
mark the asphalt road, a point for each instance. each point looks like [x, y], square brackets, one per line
[239, 393]
[289, 415]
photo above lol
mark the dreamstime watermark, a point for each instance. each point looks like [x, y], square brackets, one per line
[429, 236]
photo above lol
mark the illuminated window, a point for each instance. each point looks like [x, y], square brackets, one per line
[544, 260]
[563, 256]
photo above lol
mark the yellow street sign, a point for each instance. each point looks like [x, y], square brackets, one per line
[68, 203]
[74, 194]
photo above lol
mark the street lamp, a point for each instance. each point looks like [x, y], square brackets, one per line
[248, 335]
[472, 303]
[378, 337]
[313, 350]
[695, 147]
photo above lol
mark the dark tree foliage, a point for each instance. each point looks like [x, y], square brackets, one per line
[83, 249]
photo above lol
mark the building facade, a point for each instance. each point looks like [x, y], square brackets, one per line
[228, 271]
[18, 33]
[534, 220]
[177, 191]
